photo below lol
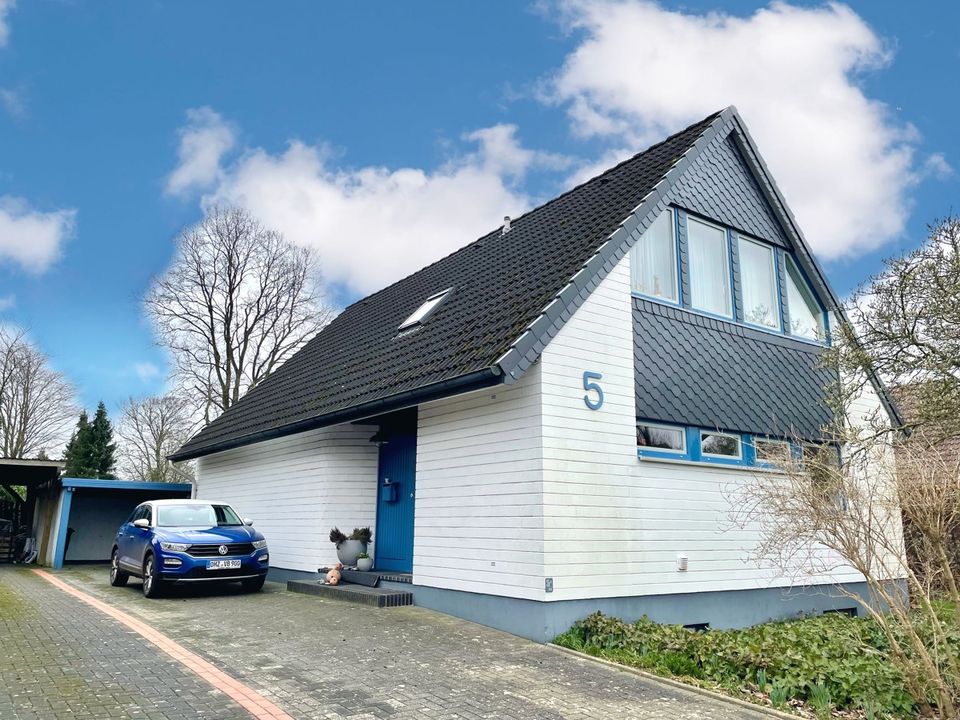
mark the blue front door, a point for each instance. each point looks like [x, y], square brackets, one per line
[393, 542]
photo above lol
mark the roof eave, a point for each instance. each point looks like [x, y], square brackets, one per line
[527, 348]
[477, 380]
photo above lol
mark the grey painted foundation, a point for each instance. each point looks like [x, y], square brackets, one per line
[543, 621]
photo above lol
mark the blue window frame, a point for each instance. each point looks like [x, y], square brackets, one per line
[759, 283]
[703, 281]
[709, 268]
[658, 440]
[771, 452]
[806, 316]
[665, 441]
[655, 261]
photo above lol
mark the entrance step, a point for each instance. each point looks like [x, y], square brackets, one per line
[374, 596]
[396, 577]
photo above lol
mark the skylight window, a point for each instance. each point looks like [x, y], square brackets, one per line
[425, 311]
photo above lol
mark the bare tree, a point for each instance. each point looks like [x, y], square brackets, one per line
[237, 301]
[36, 402]
[908, 326]
[840, 507]
[150, 429]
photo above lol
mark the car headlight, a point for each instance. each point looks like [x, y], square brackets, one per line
[259, 544]
[174, 547]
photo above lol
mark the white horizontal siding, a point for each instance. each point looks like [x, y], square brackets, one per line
[613, 524]
[479, 516]
[296, 488]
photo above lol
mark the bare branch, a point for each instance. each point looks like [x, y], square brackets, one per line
[237, 301]
[36, 402]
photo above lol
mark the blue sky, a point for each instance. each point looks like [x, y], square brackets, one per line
[389, 134]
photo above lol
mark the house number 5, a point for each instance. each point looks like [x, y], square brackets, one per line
[591, 385]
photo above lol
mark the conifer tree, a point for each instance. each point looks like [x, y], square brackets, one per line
[90, 452]
[102, 447]
[77, 454]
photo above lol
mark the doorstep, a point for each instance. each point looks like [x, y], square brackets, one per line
[379, 597]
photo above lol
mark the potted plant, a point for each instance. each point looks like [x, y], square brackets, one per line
[350, 547]
[364, 562]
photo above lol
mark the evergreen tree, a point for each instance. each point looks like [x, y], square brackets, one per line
[77, 455]
[90, 452]
[102, 447]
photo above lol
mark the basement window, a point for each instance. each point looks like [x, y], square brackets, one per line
[423, 312]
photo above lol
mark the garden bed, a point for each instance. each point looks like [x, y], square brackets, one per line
[830, 665]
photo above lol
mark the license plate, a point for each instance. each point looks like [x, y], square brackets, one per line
[223, 564]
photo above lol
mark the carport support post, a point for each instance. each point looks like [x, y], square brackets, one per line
[62, 530]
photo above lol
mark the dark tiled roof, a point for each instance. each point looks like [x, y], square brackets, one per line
[696, 370]
[501, 284]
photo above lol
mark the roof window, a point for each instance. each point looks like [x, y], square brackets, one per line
[425, 311]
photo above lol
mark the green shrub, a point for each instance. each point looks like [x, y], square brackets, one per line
[830, 660]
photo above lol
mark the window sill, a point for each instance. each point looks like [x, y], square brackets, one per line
[739, 323]
[706, 464]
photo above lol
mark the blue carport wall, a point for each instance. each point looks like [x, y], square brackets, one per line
[95, 509]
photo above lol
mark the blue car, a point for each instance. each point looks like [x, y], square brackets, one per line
[185, 541]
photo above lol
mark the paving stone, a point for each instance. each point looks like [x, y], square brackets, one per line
[314, 658]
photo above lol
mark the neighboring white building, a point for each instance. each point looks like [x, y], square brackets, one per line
[558, 418]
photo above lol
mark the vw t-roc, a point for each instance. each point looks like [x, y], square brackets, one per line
[185, 541]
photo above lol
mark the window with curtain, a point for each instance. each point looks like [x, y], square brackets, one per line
[759, 284]
[806, 315]
[709, 268]
[653, 262]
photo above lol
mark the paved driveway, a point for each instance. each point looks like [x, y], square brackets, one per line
[312, 658]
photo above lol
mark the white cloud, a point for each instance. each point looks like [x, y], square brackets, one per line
[5, 7]
[31, 238]
[845, 165]
[12, 101]
[204, 141]
[936, 166]
[146, 370]
[7, 302]
[373, 225]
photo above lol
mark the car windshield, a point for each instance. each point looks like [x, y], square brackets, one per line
[196, 515]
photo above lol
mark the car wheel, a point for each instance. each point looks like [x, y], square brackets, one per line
[254, 584]
[118, 578]
[152, 584]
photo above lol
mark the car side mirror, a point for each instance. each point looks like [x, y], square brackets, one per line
[141, 523]
[248, 521]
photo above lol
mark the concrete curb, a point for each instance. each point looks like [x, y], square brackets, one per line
[720, 697]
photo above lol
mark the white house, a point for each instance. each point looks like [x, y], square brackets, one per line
[556, 418]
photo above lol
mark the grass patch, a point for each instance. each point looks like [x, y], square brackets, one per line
[818, 664]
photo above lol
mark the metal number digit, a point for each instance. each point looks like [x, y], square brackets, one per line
[591, 386]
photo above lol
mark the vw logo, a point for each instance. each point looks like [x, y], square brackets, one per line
[222, 550]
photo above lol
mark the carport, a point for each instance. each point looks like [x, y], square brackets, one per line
[86, 513]
[21, 483]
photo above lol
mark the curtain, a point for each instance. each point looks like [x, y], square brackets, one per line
[653, 265]
[759, 284]
[709, 268]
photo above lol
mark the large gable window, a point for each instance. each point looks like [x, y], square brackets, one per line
[806, 315]
[759, 280]
[709, 268]
[653, 261]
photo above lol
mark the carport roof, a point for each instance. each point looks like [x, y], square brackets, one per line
[25, 471]
[135, 485]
